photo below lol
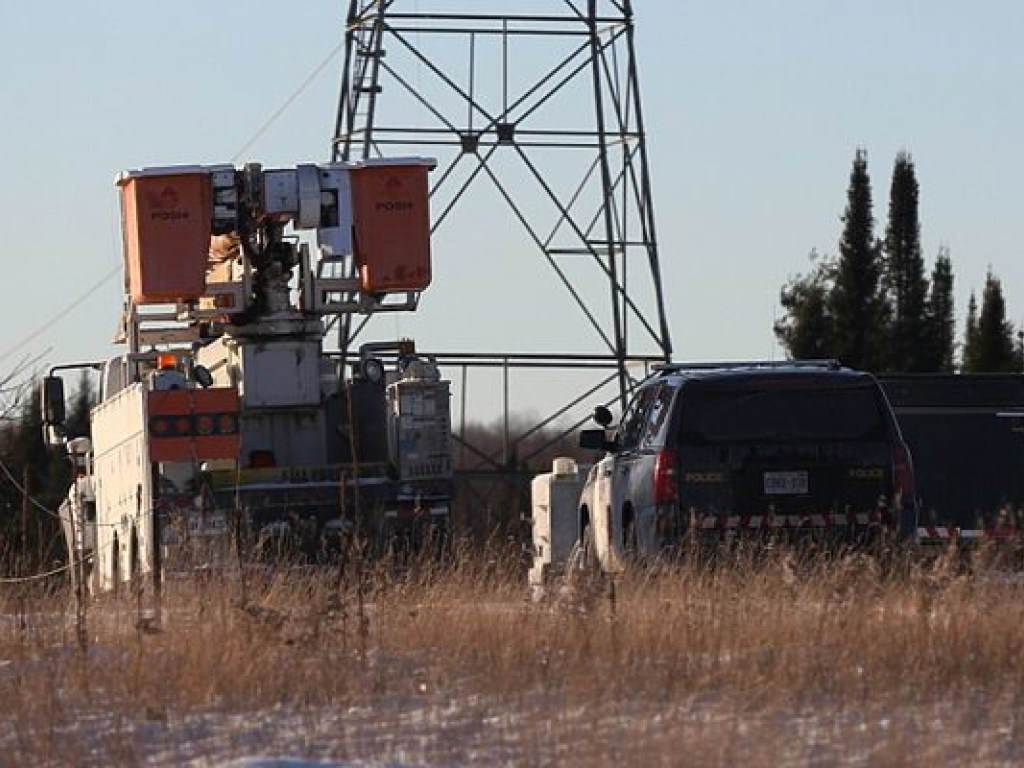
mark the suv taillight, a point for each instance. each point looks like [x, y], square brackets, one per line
[902, 472]
[666, 485]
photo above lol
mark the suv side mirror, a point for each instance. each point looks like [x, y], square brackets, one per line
[595, 439]
[602, 416]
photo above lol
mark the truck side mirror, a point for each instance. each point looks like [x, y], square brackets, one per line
[53, 401]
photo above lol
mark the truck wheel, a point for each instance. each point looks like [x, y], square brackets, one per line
[630, 544]
[588, 561]
[115, 565]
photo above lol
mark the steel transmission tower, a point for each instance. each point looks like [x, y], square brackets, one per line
[544, 108]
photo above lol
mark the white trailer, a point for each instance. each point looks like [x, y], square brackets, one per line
[554, 500]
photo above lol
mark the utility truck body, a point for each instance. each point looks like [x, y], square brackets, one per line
[227, 427]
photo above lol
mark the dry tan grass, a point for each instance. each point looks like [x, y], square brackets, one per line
[761, 660]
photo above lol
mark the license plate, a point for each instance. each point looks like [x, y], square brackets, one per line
[785, 483]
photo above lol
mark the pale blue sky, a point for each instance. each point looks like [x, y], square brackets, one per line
[753, 109]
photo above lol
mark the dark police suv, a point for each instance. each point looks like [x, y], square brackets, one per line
[717, 450]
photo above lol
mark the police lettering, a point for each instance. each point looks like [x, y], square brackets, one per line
[394, 205]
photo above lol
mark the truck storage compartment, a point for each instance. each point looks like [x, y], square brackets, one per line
[419, 433]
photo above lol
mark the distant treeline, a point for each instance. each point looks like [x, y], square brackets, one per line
[34, 479]
[494, 469]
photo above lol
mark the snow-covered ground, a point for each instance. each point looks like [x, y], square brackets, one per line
[433, 727]
[404, 706]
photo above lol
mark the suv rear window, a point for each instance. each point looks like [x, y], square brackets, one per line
[780, 409]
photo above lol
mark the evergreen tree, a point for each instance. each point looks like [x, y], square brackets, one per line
[9, 503]
[30, 492]
[872, 306]
[969, 361]
[856, 303]
[990, 346]
[905, 287]
[83, 401]
[940, 325]
[806, 330]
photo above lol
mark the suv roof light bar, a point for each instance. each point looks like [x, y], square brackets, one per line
[830, 364]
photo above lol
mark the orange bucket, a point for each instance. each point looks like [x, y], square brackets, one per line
[391, 218]
[166, 221]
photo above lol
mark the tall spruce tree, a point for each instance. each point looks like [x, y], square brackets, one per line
[940, 322]
[968, 361]
[856, 303]
[989, 345]
[903, 279]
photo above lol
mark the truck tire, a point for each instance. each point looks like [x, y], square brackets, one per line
[588, 564]
[630, 542]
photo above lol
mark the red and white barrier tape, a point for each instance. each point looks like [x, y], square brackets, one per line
[933, 533]
[927, 534]
[754, 522]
